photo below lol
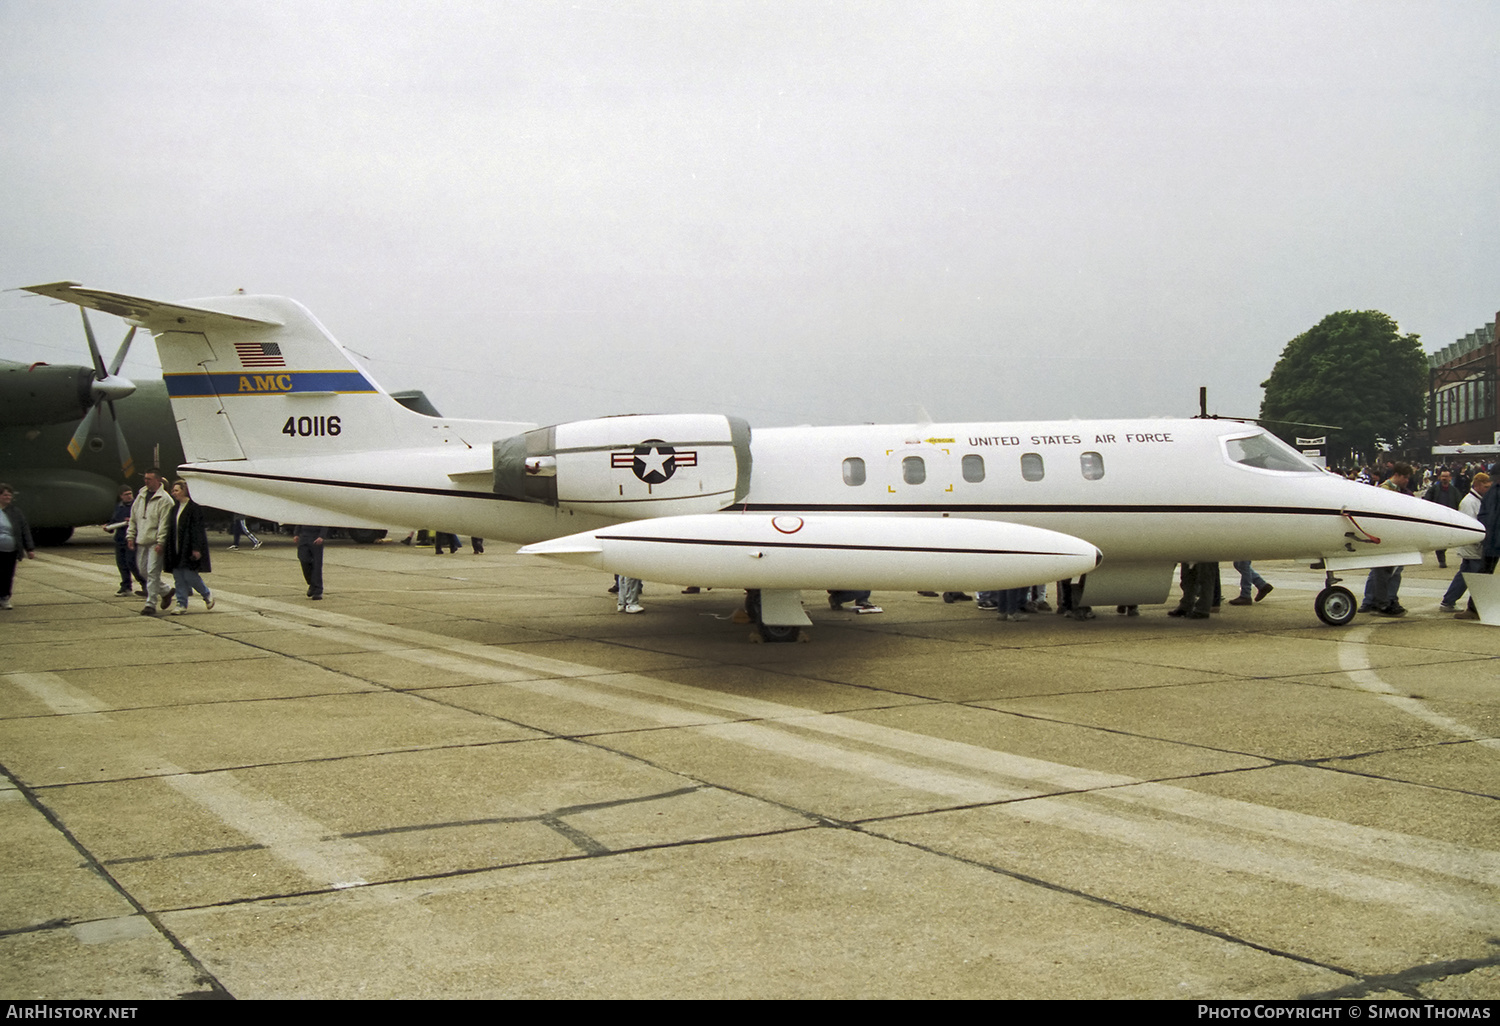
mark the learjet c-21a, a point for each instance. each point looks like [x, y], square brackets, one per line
[280, 421]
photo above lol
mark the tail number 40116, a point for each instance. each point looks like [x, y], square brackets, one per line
[311, 427]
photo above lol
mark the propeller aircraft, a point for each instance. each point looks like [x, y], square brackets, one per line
[39, 405]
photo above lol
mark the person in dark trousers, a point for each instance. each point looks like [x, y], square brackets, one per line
[1471, 557]
[187, 556]
[238, 528]
[1445, 493]
[310, 555]
[1383, 585]
[15, 542]
[119, 523]
[1199, 591]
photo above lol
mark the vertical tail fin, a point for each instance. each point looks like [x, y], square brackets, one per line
[254, 377]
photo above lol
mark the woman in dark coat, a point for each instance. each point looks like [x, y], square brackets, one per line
[15, 542]
[187, 549]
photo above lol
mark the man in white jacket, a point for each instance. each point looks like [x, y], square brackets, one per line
[1471, 555]
[150, 520]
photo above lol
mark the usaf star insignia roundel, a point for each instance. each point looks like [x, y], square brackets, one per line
[654, 461]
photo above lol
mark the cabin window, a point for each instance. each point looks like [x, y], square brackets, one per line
[854, 471]
[1032, 468]
[973, 468]
[1093, 465]
[913, 470]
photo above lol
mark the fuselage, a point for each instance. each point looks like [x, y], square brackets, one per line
[1140, 490]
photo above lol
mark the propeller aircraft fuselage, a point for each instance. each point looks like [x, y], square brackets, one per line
[280, 421]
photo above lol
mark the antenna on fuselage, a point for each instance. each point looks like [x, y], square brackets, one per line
[1203, 414]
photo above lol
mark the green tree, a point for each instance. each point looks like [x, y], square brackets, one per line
[1354, 370]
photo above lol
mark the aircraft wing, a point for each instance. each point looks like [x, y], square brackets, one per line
[151, 314]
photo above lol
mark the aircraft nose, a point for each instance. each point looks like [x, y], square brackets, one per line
[1426, 526]
[1462, 524]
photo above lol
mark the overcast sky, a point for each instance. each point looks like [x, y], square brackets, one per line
[798, 212]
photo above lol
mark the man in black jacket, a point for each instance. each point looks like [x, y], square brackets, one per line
[1444, 493]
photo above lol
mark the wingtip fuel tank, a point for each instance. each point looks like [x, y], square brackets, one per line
[789, 552]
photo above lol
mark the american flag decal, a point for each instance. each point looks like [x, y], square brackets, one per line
[259, 354]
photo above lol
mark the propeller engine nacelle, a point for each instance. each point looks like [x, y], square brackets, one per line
[44, 394]
[631, 467]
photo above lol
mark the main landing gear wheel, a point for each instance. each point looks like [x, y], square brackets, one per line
[1335, 606]
[50, 537]
[772, 633]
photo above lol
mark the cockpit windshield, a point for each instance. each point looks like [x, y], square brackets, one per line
[1265, 451]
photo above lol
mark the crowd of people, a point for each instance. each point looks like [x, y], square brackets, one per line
[1464, 486]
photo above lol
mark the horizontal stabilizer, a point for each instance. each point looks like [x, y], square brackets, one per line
[152, 314]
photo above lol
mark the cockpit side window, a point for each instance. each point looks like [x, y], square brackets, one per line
[1267, 452]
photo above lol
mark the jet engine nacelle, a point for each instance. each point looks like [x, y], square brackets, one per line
[634, 467]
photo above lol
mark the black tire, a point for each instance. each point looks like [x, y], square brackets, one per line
[1335, 606]
[779, 634]
[51, 537]
[365, 536]
[776, 634]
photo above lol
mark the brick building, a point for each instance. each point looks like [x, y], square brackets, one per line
[1461, 399]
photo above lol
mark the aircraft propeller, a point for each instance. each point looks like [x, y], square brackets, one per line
[107, 386]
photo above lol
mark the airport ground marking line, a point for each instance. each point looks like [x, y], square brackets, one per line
[91, 861]
[1354, 660]
[1459, 861]
[760, 709]
[1061, 775]
[306, 844]
[1112, 903]
[1208, 842]
[309, 846]
[1464, 862]
[1209, 809]
[56, 693]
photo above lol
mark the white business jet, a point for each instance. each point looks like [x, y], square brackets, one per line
[280, 421]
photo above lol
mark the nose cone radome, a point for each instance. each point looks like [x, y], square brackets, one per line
[1406, 522]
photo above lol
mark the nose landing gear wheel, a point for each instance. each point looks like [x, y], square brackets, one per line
[1335, 606]
[773, 633]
